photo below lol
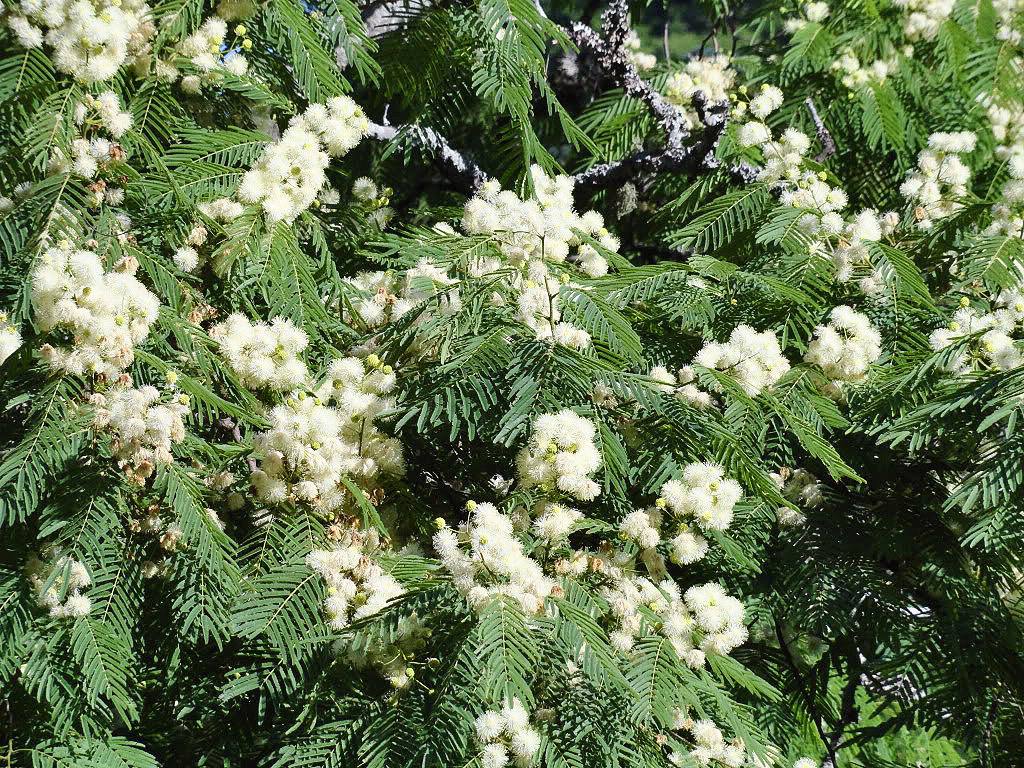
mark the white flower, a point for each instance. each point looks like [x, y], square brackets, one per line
[561, 454]
[89, 41]
[754, 359]
[846, 347]
[555, 522]
[263, 355]
[142, 429]
[186, 258]
[105, 313]
[704, 494]
[58, 582]
[290, 175]
[713, 76]
[10, 338]
[357, 585]
[495, 564]
[314, 441]
[939, 182]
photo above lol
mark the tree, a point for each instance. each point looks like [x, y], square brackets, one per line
[464, 383]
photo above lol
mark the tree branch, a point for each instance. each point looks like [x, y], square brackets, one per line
[698, 156]
[459, 169]
[609, 49]
[828, 144]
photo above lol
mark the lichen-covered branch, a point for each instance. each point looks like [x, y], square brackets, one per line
[828, 144]
[458, 168]
[697, 156]
[609, 50]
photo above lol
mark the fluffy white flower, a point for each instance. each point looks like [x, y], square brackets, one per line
[846, 347]
[713, 76]
[57, 581]
[754, 359]
[142, 429]
[89, 41]
[495, 564]
[356, 584]
[561, 455]
[105, 313]
[289, 176]
[555, 522]
[939, 182]
[704, 495]
[10, 338]
[263, 355]
[314, 441]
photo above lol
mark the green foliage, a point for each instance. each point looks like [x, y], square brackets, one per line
[883, 603]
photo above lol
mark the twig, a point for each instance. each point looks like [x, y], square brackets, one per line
[828, 144]
[232, 426]
[456, 166]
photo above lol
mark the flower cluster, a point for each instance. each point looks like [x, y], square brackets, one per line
[1007, 123]
[753, 359]
[856, 77]
[495, 565]
[531, 234]
[845, 347]
[90, 39]
[561, 455]
[94, 155]
[704, 497]
[800, 487]
[206, 50]
[810, 12]
[848, 240]
[356, 585]
[374, 200]
[57, 581]
[555, 521]
[707, 497]
[642, 61]
[681, 384]
[713, 76]
[105, 313]
[1007, 218]
[851, 256]
[543, 227]
[103, 111]
[924, 17]
[704, 620]
[311, 445]
[709, 745]
[986, 339]
[142, 429]
[939, 182]
[385, 296]
[504, 732]
[263, 355]
[10, 338]
[290, 175]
